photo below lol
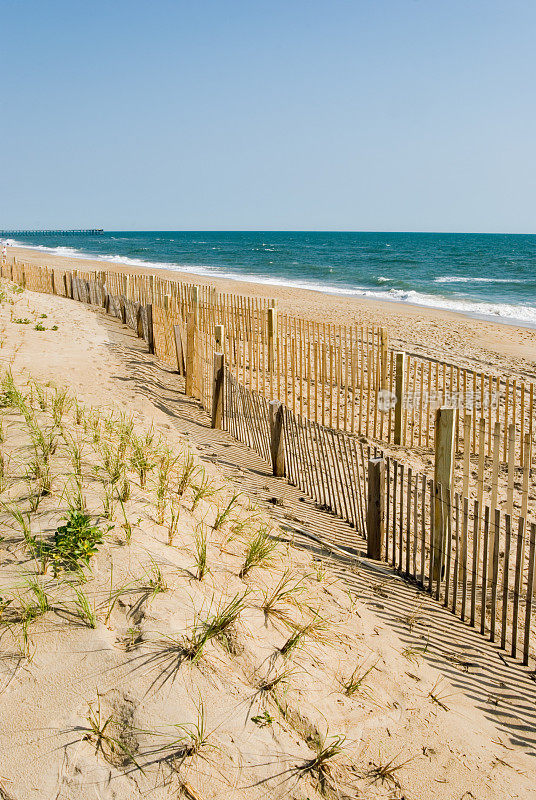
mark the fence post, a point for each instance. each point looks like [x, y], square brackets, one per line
[376, 508]
[219, 336]
[443, 471]
[150, 334]
[101, 280]
[272, 336]
[399, 391]
[179, 349]
[167, 302]
[217, 391]
[277, 445]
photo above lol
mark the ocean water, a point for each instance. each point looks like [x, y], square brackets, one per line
[484, 275]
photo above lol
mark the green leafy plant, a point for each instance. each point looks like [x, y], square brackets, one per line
[39, 327]
[22, 321]
[74, 544]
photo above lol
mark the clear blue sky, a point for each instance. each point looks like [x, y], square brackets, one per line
[287, 114]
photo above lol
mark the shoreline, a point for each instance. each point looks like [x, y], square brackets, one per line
[423, 329]
[206, 276]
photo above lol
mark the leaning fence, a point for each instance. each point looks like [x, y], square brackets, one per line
[475, 557]
[347, 378]
[479, 565]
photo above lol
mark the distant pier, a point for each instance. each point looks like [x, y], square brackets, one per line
[86, 232]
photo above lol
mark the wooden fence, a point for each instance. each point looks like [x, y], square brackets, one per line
[479, 565]
[341, 376]
[475, 558]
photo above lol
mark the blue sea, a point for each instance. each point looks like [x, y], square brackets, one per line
[483, 275]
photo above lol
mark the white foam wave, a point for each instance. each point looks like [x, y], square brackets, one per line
[383, 279]
[462, 279]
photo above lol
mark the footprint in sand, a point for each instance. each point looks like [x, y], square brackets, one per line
[126, 619]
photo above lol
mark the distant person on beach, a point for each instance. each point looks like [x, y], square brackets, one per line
[4, 252]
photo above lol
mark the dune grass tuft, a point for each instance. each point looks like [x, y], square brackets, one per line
[259, 551]
[216, 625]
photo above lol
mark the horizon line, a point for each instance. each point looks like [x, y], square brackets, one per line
[13, 231]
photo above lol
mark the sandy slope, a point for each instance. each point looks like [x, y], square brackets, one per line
[452, 733]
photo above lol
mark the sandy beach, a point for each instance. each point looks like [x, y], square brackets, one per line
[489, 346]
[433, 711]
[268, 401]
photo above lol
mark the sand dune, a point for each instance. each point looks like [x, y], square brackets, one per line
[382, 694]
